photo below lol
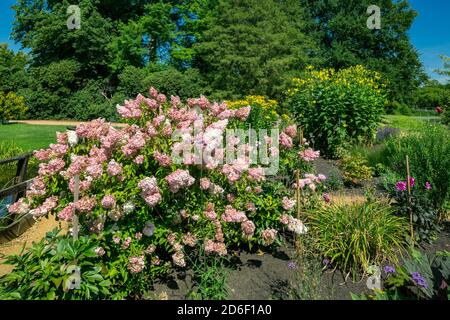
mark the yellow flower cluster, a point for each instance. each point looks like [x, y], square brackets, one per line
[344, 77]
[267, 105]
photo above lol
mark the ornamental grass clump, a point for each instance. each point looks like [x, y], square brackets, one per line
[357, 235]
[151, 200]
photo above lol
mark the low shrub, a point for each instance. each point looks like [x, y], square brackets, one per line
[355, 169]
[210, 278]
[355, 236]
[338, 107]
[12, 106]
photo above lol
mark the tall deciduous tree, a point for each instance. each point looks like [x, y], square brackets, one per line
[346, 39]
[254, 47]
[12, 69]
[445, 71]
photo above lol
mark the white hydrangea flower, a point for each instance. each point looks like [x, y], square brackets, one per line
[72, 138]
[128, 207]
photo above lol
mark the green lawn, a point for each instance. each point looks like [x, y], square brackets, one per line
[29, 137]
[407, 122]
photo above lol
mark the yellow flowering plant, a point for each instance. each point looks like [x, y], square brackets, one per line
[264, 112]
[338, 107]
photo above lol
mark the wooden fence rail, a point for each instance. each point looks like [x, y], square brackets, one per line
[16, 225]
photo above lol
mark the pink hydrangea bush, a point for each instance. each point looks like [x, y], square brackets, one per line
[150, 210]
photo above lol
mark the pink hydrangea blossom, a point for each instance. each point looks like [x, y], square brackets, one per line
[209, 212]
[248, 228]
[178, 259]
[66, 214]
[250, 206]
[108, 201]
[269, 236]
[189, 240]
[163, 159]
[179, 179]
[86, 204]
[19, 207]
[205, 183]
[136, 264]
[53, 167]
[100, 251]
[256, 174]
[114, 168]
[215, 247]
[150, 249]
[291, 131]
[37, 187]
[139, 159]
[286, 141]
[296, 226]
[95, 170]
[284, 219]
[309, 154]
[288, 204]
[44, 209]
[243, 113]
[126, 243]
[233, 215]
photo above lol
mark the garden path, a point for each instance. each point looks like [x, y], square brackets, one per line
[34, 234]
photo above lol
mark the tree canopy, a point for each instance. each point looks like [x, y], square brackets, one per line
[220, 48]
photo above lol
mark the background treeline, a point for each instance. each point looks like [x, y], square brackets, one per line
[224, 49]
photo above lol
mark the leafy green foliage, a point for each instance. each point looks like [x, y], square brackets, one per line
[210, 278]
[253, 47]
[431, 96]
[337, 108]
[355, 169]
[12, 106]
[50, 87]
[425, 217]
[45, 271]
[401, 285]
[429, 156]
[12, 69]
[354, 236]
[346, 41]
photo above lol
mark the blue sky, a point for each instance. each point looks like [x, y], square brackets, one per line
[430, 33]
